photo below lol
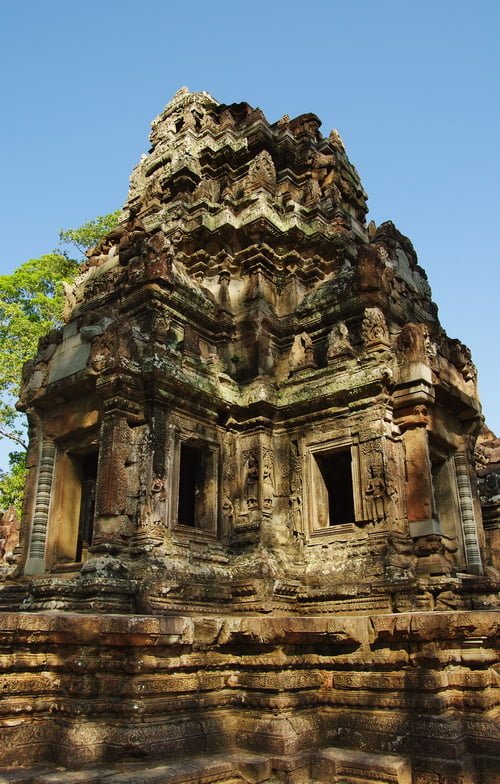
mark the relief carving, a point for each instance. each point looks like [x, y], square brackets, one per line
[227, 511]
[117, 342]
[153, 511]
[461, 357]
[375, 493]
[301, 353]
[268, 486]
[414, 343]
[295, 517]
[251, 484]
[339, 343]
[223, 297]
[375, 480]
[9, 534]
[374, 328]
[228, 476]
[261, 173]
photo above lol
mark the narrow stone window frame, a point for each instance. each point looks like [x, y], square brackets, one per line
[315, 453]
[452, 502]
[205, 522]
[447, 497]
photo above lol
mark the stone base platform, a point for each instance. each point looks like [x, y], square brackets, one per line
[330, 766]
[400, 699]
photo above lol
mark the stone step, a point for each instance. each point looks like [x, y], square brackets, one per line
[359, 767]
[215, 769]
[329, 766]
[11, 597]
[23, 775]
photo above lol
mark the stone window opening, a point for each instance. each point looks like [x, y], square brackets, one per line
[333, 488]
[191, 478]
[196, 497]
[336, 472]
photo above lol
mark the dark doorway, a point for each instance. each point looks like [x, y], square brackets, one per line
[190, 484]
[336, 471]
[87, 505]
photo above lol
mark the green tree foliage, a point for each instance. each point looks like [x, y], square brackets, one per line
[89, 234]
[31, 304]
[12, 483]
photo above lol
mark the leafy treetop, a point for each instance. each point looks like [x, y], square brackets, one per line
[12, 483]
[89, 234]
[31, 304]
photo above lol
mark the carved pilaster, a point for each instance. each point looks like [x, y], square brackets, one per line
[228, 484]
[296, 499]
[111, 480]
[469, 526]
[419, 478]
[113, 525]
[35, 563]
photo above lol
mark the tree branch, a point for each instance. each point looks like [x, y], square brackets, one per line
[13, 437]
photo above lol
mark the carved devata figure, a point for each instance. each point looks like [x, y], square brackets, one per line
[375, 493]
[252, 482]
[228, 475]
[227, 509]
[154, 507]
[375, 482]
[152, 502]
[295, 519]
[268, 488]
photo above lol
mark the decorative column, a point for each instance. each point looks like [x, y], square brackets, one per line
[113, 527]
[425, 528]
[469, 527]
[419, 482]
[155, 478]
[35, 563]
[111, 478]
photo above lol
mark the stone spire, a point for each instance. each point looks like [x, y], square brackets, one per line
[222, 175]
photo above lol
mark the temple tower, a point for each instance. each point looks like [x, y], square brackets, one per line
[252, 401]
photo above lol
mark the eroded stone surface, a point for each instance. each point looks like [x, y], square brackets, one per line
[85, 691]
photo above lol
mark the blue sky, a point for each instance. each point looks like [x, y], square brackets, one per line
[412, 88]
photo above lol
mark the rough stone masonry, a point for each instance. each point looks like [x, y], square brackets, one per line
[252, 547]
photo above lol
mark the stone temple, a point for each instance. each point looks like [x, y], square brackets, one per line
[252, 546]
